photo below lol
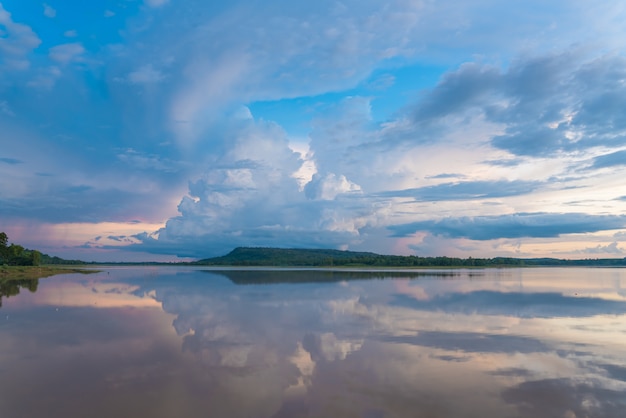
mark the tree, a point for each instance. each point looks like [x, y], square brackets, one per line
[4, 240]
[15, 255]
[35, 258]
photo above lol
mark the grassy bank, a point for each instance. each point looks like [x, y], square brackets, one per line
[36, 272]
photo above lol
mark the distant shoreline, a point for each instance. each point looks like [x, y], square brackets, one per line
[270, 257]
[292, 257]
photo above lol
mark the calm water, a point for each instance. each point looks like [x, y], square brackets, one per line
[182, 342]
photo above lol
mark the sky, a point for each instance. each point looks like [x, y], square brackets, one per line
[171, 130]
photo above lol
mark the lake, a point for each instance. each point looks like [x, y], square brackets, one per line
[191, 342]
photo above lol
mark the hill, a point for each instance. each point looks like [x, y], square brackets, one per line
[260, 256]
[292, 257]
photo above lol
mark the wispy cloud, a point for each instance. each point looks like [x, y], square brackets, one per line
[613, 159]
[6, 109]
[519, 225]
[48, 11]
[609, 249]
[145, 75]
[11, 161]
[17, 41]
[466, 190]
[66, 53]
[156, 3]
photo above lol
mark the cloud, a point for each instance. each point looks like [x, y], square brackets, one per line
[326, 347]
[276, 51]
[70, 204]
[16, 42]
[329, 186]
[611, 248]
[66, 53]
[537, 225]
[109, 13]
[155, 162]
[614, 371]
[119, 238]
[70, 33]
[518, 111]
[470, 342]
[11, 161]
[145, 75]
[469, 86]
[526, 305]
[382, 82]
[572, 99]
[469, 190]
[6, 109]
[613, 159]
[249, 195]
[48, 11]
[58, 199]
[447, 176]
[156, 3]
[46, 78]
[564, 397]
[358, 162]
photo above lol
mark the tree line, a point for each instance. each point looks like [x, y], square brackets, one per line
[259, 256]
[17, 255]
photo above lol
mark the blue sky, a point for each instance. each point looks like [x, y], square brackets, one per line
[160, 130]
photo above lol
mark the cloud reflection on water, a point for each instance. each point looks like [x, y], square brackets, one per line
[505, 345]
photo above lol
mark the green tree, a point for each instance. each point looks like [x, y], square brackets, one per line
[15, 255]
[35, 258]
[4, 240]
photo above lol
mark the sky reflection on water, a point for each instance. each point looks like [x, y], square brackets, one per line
[165, 342]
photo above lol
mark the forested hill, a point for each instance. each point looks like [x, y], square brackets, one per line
[247, 256]
[285, 257]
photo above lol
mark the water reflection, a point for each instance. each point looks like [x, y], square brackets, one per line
[268, 276]
[10, 288]
[184, 342]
